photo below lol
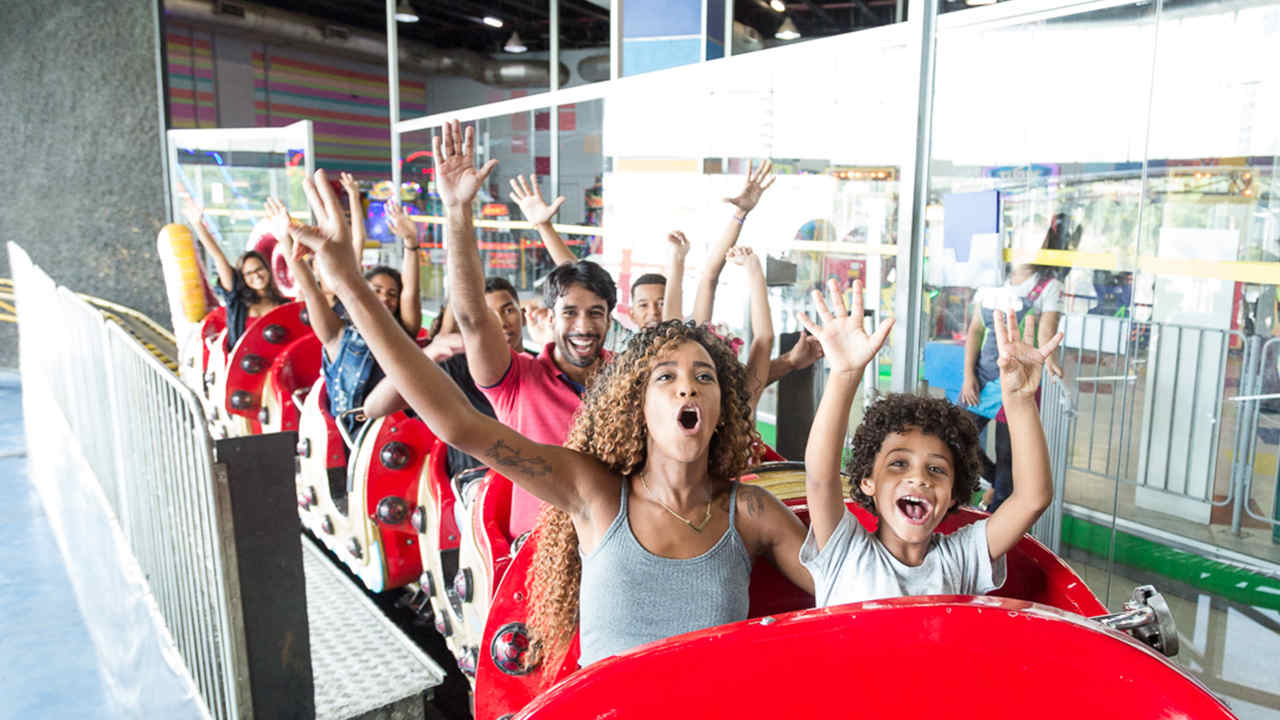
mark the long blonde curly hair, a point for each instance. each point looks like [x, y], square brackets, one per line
[610, 427]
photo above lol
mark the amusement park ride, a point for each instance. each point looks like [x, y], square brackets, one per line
[381, 502]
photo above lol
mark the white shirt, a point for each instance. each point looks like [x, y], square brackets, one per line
[854, 566]
[1014, 296]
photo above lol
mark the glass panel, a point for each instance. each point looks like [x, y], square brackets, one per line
[231, 172]
[584, 41]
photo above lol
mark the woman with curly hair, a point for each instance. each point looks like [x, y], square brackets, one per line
[646, 510]
[914, 460]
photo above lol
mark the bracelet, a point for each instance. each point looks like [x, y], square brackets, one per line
[739, 220]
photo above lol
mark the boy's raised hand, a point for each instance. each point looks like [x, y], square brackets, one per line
[457, 178]
[747, 198]
[330, 238]
[529, 197]
[1020, 361]
[845, 343]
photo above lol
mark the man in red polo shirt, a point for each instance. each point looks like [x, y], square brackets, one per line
[535, 396]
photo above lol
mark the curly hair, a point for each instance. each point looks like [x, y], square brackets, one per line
[609, 426]
[932, 416]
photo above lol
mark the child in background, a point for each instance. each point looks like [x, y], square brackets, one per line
[914, 460]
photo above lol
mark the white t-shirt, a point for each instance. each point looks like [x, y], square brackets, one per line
[854, 566]
[1000, 298]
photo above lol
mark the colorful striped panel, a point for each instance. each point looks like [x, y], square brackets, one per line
[192, 96]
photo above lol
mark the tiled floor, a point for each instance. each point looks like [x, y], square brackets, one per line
[48, 668]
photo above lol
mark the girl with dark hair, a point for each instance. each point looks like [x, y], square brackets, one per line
[248, 290]
[350, 370]
[646, 511]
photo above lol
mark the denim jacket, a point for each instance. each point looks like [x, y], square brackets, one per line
[349, 376]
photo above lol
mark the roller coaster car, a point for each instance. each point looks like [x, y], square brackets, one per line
[1009, 655]
[322, 460]
[193, 355]
[234, 388]
[288, 381]
[370, 527]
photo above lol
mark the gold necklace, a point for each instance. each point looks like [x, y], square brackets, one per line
[696, 528]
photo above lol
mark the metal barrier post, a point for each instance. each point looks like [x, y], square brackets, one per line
[1246, 421]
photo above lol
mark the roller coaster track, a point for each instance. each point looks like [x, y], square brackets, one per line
[151, 335]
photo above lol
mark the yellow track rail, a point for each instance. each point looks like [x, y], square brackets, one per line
[151, 335]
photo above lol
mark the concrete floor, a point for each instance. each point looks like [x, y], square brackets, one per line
[48, 668]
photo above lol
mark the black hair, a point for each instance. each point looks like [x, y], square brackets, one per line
[585, 273]
[387, 270]
[438, 320]
[248, 294]
[897, 412]
[494, 284]
[648, 279]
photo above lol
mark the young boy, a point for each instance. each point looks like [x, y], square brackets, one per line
[914, 460]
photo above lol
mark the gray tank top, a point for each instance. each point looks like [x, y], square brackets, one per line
[630, 596]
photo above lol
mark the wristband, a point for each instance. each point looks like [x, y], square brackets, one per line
[739, 220]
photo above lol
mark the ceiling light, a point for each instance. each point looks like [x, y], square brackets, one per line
[405, 13]
[515, 44]
[787, 31]
[778, 5]
[492, 21]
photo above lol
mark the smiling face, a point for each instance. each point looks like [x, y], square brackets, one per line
[580, 320]
[682, 402]
[256, 275]
[507, 309]
[646, 304]
[911, 481]
[387, 290]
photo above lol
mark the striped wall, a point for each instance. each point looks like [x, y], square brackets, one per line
[191, 93]
[345, 100]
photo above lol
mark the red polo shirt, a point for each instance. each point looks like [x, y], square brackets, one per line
[536, 399]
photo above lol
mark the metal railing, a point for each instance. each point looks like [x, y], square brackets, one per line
[1170, 383]
[143, 434]
[1058, 416]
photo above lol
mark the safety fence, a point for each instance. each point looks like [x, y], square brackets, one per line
[143, 437]
[1148, 405]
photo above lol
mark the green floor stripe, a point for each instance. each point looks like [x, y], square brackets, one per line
[1227, 581]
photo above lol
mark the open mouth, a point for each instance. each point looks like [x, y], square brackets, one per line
[690, 417]
[915, 509]
[582, 345]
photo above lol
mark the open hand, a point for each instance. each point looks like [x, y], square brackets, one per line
[529, 197]
[330, 238]
[457, 179]
[278, 221]
[679, 244]
[969, 391]
[403, 225]
[845, 343]
[1020, 361]
[758, 180]
[192, 212]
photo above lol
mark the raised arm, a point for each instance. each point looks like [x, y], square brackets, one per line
[758, 180]
[458, 181]
[325, 323]
[1020, 369]
[226, 273]
[385, 399]
[1045, 331]
[970, 389]
[804, 353]
[553, 474]
[673, 296]
[529, 197]
[410, 296]
[848, 350]
[761, 322]
[358, 233]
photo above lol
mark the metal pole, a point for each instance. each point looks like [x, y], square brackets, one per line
[393, 95]
[554, 171]
[728, 30]
[911, 226]
[615, 39]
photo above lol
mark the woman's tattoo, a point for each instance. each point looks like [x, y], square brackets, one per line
[504, 455]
